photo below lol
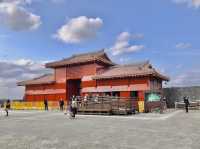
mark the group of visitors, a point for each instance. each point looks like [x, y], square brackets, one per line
[61, 104]
[94, 98]
[163, 104]
[73, 104]
[72, 108]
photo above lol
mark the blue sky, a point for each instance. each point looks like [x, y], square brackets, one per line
[166, 32]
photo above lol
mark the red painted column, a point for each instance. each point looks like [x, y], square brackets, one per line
[141, 95]
[125, 94]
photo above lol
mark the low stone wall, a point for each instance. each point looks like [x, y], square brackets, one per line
[173, 94]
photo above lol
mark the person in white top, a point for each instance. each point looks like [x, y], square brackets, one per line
[74, 106]
[1, 108]
[85, 98]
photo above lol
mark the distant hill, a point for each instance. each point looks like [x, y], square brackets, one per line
[173, 94]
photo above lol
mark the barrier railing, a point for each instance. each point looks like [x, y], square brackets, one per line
[193, 105]
[94, 102]
[36, 105]
[110, 104]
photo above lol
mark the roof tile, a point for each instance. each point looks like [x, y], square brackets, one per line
[131, 70]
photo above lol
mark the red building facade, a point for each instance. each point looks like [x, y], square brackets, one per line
[93, 73]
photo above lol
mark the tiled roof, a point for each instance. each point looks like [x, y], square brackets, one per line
[45, 79]
[99, 56]
[132, 70]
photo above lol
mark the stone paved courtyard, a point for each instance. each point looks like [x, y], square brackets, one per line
[54, 130]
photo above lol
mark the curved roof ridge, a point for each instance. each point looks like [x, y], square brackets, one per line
[146, 62]
[82, 58]
[43, 79]
[136, 64]
[83, 54]
[44, 75]
[130, 70]
[89, 53]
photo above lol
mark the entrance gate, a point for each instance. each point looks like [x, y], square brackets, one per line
[73, 88]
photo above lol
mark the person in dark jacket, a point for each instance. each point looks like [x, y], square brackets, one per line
[61, 103]
[7, 107]
[187, 103]
[46, 104]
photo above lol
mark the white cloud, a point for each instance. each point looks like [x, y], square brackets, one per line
[196, 3]
[183, 45]
[14, 16]
[122, 44]
[190, 3]
[16, 1]
[79, 29]
[15, 71]
[189, 78]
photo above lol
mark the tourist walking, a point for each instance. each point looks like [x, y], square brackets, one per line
[162, 104]
[1, 108]
[73, 107]
[61, 104]
[7, 107]
[85, 98]
[187, 103]
[46, 105]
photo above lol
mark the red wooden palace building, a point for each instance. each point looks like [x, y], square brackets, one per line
[93, 73]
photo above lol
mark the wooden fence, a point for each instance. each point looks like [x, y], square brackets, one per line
[109, 105]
